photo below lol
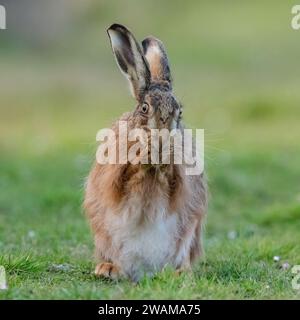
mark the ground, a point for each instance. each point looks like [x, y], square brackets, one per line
[239, 84]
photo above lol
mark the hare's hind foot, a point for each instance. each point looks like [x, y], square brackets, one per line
[107, 270]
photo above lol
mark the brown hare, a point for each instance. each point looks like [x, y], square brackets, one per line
[145, 217]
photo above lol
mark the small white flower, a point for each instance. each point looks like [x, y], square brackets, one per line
[31, 234]
[232, 235]
[285, 266]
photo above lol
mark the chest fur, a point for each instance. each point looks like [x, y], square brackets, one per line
[146, 236]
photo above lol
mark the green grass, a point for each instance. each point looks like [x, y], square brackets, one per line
[42, 226]
[239, 84]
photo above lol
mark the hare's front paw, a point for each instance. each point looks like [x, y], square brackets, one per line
[107, 270]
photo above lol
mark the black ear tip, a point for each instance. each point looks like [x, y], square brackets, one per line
[145, 43]
[117, 27]
[151, 41]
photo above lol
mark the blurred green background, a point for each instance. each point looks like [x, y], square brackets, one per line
[235, 66]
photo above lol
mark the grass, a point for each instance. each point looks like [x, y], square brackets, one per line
[47, 247]
[240, 84]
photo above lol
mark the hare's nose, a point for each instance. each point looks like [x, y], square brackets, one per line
[164, 120]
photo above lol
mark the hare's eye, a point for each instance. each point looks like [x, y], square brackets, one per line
[144, 107]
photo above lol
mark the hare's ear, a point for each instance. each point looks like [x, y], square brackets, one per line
[157, 58]
[130, 59]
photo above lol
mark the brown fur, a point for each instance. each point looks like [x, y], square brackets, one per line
[110, 188]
